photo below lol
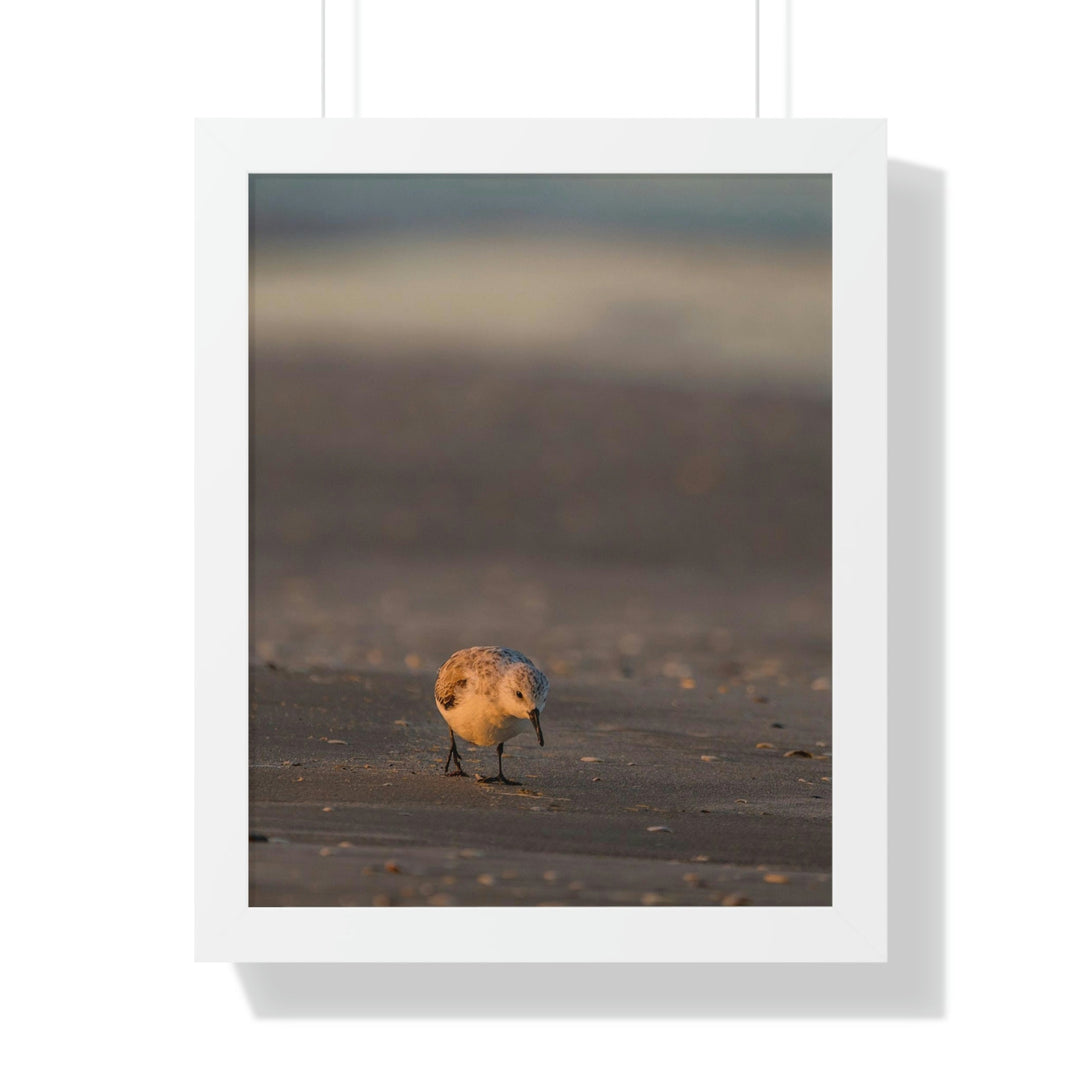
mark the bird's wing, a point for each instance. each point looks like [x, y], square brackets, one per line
[450, 681]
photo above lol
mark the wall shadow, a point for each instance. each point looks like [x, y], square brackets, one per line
[912, 983]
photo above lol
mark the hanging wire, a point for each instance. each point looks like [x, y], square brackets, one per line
[757, 59]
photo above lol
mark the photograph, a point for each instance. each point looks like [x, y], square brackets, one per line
[540, 540]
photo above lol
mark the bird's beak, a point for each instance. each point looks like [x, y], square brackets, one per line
[534, 716]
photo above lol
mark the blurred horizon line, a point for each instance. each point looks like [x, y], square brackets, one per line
[777, 210]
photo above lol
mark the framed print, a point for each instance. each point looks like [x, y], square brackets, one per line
[541, 560]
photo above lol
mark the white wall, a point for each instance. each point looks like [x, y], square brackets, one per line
[97, 443]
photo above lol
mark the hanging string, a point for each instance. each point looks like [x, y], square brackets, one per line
[757, 59]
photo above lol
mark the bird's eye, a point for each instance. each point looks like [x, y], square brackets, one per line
[520, 694]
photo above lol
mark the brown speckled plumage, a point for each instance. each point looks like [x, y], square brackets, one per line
[481, 668]
[488, 694]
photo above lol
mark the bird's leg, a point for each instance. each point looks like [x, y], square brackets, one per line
[500, 779]
[457, 759]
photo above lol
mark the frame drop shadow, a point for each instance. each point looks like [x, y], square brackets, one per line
[912, 983]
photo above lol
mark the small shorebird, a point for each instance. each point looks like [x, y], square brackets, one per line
[487, 695]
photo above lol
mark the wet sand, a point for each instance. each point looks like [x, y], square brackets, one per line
[349, 803]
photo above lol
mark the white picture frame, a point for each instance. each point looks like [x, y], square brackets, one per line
[854, 928]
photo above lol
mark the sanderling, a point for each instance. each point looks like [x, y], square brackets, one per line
[487, 695]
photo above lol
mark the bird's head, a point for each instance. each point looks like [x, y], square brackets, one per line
[524, 695]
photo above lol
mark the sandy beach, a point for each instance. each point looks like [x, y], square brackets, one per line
[644, 793]
[609, 451]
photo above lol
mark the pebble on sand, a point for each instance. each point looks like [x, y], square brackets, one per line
[777, 879]
[798, 753]
[658, 828]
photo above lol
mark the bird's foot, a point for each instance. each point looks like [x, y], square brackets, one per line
[459, 771]
[498, 780]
